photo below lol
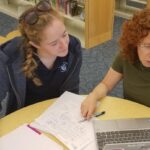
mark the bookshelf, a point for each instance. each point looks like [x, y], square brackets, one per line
[97, 25]
[14, 8]
[148, 3]
[126, 8]
[93, 28]
[99, 18]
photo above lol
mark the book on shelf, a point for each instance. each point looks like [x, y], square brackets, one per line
[69, 7]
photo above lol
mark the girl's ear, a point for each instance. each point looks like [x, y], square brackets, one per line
[33, 44]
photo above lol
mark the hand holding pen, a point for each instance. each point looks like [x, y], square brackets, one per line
[97, 114]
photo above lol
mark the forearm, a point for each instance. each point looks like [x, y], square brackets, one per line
[99, 91]
[110, 80]
[88, 106]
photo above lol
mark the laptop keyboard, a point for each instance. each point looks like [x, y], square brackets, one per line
[126, 136]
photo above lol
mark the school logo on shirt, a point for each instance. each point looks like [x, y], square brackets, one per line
[63, 67]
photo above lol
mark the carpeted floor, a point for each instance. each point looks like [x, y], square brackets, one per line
[96, 61]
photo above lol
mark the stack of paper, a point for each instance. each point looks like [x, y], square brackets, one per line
[27, 138]
[62, 120]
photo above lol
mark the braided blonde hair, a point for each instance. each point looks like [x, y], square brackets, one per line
[33, 33]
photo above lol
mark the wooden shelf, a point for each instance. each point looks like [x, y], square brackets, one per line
[126, 10]
[140, 1]
[76, 27]
[12, 9]
[96, 28]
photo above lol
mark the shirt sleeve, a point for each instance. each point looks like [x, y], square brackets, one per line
[117, 64]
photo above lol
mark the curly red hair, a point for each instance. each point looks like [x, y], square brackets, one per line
[133, 31]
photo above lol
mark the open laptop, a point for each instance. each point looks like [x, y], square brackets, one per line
[123, 134]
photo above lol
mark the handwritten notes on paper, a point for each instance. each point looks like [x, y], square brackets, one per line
[62, 120]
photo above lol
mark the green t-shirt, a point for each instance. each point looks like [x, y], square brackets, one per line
[136, 80]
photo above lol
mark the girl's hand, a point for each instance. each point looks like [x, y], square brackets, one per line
[88, 106]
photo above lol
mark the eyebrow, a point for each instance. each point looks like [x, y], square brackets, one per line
[56, 39]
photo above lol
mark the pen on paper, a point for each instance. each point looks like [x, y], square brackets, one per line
[95, 115]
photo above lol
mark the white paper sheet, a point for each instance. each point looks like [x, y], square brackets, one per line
[62, 120]
[25, 138]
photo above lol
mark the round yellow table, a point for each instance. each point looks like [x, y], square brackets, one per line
[116, 108]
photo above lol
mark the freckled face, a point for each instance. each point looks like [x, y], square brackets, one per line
[55, 40]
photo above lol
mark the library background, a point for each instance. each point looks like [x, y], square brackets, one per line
[90, 20]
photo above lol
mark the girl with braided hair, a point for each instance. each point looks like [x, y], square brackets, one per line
[40, 64]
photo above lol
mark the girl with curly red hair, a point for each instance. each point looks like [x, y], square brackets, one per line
[132, 65]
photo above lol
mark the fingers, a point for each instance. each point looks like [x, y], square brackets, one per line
[83, 110]
[87, 110]
[90, 113]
